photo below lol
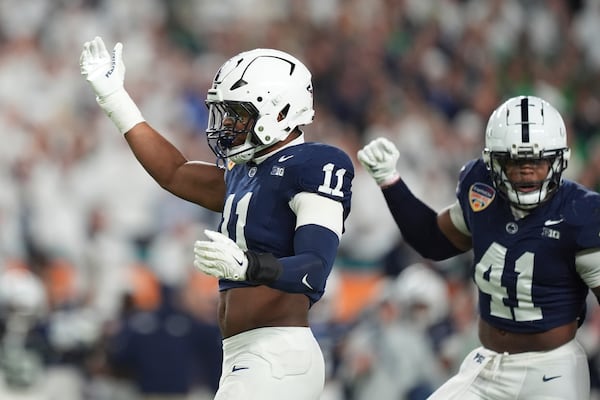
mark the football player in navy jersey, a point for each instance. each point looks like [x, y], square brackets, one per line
[536, 248]
[283, 203]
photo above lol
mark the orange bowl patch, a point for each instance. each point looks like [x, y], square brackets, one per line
[481, 196]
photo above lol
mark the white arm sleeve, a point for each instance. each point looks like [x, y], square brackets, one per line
[310, 208]
[587, 264]
[458, 219]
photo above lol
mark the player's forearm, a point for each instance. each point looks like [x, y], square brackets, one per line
[307, 271]
[418, 223]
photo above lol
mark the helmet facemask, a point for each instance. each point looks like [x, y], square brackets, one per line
[527, 195]
[230, 122]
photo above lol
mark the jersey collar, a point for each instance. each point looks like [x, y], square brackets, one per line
[295, 142]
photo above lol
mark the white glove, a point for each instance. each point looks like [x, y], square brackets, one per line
[220, 257]
[106, 75]
[380, 158]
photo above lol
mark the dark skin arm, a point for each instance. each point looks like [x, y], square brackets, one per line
[195, 181]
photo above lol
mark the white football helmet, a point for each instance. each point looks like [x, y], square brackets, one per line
[526, 128]
[261, 93]
[21, 292]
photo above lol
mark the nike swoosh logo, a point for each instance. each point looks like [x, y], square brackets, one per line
[549, 378]
[305, 282]
[240, 262]
[553, 222]
[236, 368]
[284, 158]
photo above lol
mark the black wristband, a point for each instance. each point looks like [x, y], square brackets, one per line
[263, 268]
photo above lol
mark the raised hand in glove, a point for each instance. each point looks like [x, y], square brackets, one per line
[220, 257]
[380, 158]
[106, 73]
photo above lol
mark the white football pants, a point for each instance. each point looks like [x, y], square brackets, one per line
[272, 364]
[559, 374]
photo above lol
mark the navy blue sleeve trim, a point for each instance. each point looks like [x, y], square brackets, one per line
[418, 223]
[315, 248]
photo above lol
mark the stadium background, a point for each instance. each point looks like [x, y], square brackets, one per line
[98, 298]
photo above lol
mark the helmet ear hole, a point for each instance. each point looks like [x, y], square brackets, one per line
[284, 112]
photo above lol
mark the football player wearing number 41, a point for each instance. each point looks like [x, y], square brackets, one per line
[536, 249]
[283, 203]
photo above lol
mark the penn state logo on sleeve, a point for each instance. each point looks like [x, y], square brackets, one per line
[481, 196]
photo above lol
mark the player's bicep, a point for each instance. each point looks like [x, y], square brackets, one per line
[198, 182]
[452, 223]
[313, 209]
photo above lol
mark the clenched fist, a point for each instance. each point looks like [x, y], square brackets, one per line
[380, 158]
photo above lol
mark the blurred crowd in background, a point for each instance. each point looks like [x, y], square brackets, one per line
[98, 296]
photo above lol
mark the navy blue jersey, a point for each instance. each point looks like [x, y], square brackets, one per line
[257, 214]
[525, 268]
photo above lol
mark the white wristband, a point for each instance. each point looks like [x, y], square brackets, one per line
[121, 109]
